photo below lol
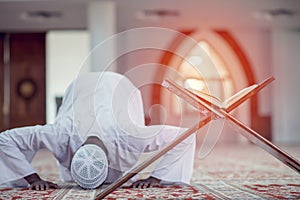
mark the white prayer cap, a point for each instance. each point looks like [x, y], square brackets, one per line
[89, 166]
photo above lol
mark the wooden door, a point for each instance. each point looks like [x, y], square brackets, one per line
[24, 76]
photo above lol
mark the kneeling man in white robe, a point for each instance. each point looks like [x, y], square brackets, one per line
[102, 111]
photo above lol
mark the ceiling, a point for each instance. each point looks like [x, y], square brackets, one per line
[43, 15]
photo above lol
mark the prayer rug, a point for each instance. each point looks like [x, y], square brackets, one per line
[234, 171]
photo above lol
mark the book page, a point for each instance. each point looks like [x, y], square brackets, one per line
[207, 97]
[234, 98]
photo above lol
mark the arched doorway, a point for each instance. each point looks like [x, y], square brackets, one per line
[233, 73]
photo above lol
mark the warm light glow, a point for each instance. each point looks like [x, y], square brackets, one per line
[188, 70]
[194, 84]
[195, 60]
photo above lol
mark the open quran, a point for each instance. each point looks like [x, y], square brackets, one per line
[193, 96]
[210, 99]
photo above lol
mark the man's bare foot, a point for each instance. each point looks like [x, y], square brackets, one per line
[146, 183]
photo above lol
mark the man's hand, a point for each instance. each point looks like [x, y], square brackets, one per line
[36, 183]
[43, 185]
[146, 183]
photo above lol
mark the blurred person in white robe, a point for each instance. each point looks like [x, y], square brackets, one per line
[106, 109]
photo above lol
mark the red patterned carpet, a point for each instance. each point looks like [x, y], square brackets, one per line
[228, 172]
[247, 172]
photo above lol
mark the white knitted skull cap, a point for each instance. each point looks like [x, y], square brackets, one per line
[89, 166]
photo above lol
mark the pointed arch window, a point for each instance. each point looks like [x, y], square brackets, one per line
[217, 80]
